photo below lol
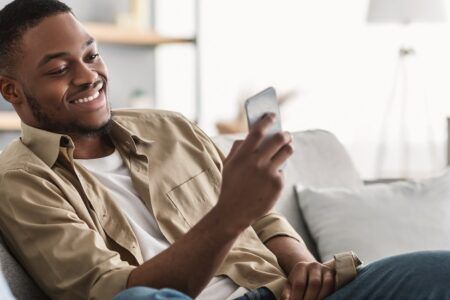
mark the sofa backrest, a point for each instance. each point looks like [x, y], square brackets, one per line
[20, 283]
[319, 160]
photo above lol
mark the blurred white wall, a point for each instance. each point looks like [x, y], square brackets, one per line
[341, 67]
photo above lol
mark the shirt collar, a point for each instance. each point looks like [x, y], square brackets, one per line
[122, 134]
[46, 145]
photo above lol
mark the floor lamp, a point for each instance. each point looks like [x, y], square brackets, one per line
[403, 12]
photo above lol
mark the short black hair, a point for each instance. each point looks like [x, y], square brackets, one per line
[15, 19]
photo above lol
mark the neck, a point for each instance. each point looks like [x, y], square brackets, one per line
[90, 147]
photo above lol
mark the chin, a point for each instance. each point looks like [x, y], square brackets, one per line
[98, 125]
[97, 130]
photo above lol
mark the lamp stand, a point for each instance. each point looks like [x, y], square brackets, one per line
[401, 81]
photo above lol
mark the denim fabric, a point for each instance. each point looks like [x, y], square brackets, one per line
[258, 294]
[145, 293]
[419, 275]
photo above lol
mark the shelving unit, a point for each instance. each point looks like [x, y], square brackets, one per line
[109, 33]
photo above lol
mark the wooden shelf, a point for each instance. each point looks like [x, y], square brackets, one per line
[9, 121]
[110, 33]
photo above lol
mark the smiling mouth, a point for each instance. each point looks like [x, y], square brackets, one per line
[89, 98]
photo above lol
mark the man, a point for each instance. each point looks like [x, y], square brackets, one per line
[94, 202]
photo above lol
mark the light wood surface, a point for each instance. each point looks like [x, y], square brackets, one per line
[110, 33]
[9, 121]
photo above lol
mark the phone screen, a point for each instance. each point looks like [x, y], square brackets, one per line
[261, 104]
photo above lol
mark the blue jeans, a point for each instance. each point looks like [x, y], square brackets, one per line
[419, 275]
[145, 293]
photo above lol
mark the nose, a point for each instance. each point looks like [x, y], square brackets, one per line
[84, 75]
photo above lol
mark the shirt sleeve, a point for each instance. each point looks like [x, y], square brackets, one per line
[65, 257]
[274, 224]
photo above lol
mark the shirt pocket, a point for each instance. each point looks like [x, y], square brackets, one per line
[196, 196]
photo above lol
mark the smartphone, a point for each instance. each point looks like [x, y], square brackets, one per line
[262, 103]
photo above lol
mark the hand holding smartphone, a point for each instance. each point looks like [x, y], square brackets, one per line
[252, 182]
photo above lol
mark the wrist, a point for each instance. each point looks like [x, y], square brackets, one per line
[226, 222]
[289, 252]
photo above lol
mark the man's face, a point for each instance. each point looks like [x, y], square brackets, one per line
[63, 78]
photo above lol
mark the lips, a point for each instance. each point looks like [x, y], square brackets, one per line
[88, 97]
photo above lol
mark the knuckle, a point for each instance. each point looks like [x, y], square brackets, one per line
[299, 284]
[255, 165]
[315, 268]
[257, 134]
[302, 265]
[316, 265]
[314, 282]
[277, 182]
[328, 280]
[260, 167]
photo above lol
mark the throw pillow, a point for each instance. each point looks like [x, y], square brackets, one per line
[379, 220]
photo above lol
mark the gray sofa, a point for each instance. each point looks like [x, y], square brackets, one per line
[320, 160]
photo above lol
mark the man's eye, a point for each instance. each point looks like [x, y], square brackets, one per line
[93, 57]
[59, 71]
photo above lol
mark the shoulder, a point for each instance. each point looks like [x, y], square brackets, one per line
[156, 123]
[16, 156]
[148, 115]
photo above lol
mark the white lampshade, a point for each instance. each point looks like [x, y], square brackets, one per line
[406, 11]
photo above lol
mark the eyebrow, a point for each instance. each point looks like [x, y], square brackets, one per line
[52, 56]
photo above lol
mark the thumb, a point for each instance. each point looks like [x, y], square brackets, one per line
[286, 293]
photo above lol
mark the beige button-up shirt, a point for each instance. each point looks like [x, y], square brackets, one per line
[68, 233]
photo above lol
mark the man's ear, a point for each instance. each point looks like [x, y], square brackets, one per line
[10, 90]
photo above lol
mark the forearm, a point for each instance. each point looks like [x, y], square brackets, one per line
[191, 261]
[289, 252]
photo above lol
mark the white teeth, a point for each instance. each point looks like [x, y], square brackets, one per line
[87, 99]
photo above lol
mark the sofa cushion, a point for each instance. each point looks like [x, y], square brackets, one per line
[319, 160]
[20, 283]
[379, 220]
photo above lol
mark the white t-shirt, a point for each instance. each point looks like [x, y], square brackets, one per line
[112, 172]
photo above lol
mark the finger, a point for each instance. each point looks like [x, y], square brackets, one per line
[327, 284]
[281, 157]
[314, 283]
[271, 147]
[286, 293]
[234, 149]
[257, 133]
[298, 282]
